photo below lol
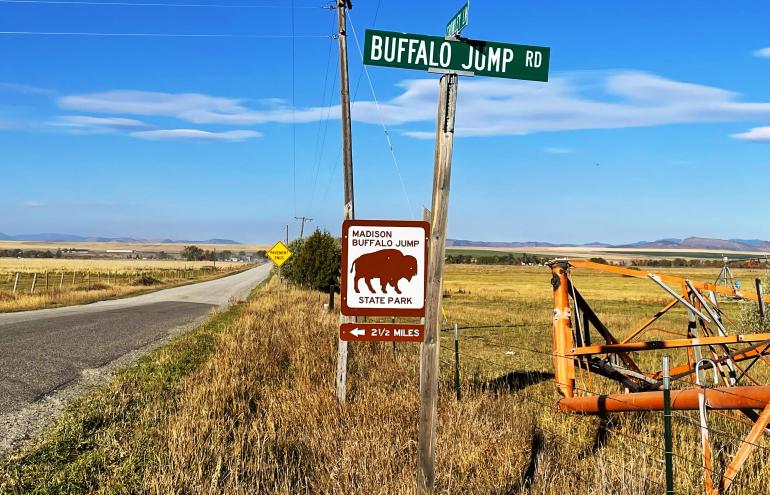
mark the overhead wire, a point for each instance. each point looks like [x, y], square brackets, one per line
[323, 123]
[382, 122]
[335, 169]
[293, 115]
[151, 4]
[161, 35]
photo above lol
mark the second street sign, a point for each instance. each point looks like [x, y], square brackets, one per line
[458, 22]
[482, 58]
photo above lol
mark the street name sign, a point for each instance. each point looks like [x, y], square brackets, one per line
[383, 267]
[458, 21]
[382, 332]
[480, 58]
[279, 254]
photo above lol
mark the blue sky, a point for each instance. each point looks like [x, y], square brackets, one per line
[655, 123]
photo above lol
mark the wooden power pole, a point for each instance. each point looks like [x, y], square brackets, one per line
[302, 225]
[429, 357]
[347, 163]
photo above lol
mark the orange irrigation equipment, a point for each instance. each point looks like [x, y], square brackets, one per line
[613, 359]
[681, 400]
[668, 344]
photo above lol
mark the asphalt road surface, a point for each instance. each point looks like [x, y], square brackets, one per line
[44, 351]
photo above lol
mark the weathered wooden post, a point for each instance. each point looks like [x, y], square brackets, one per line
[429, 352]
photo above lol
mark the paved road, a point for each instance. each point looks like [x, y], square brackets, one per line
[44, 351]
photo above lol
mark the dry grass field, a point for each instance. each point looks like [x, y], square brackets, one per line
[245, 404]
[170, 248]
[27, 284]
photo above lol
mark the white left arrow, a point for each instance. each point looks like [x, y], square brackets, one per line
[358, 332]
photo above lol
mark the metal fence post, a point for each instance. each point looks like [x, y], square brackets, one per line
[15, 282]
[457, 363]
[668, 440]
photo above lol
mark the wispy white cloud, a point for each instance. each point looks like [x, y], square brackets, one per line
[191, 107]
[33, 204]
[195, 135]
[763, 52]
[86, 124]
[559, 151]
[757, 134]
[24, 88]
[580, 101]
[487, 107]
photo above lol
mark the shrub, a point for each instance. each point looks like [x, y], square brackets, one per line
[146, 280]
[315, 262]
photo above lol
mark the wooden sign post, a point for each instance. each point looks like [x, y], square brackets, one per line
[450, 56]
[429, 357]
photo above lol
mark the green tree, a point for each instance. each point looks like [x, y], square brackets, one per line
[192, 253]
[315, 261]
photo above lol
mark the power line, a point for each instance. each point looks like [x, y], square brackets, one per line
[293, 120]
[130, 4]
[333, 172]
[162, 35]
[382, 122]
[323, 123]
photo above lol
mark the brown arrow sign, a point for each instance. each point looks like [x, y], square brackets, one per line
[382, 332]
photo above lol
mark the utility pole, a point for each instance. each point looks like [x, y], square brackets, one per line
[347, 163]
[287, 234]
[429, 351]
[302, 225]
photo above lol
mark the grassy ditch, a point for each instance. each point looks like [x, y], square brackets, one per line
[108, 438]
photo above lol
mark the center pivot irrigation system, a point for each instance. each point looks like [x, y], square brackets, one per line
[707, 343]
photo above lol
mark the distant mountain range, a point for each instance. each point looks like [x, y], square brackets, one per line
[694, 243]
[51, 237]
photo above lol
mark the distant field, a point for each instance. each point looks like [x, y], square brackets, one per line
[478, 252]
[55, 265]
[140, 247]
[27, 284]
[615, 254]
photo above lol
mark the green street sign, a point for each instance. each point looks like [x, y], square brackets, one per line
[481, 58]
[458, 21]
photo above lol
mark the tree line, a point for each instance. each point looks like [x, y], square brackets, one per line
[29, 253]
[194, 253]
[502, 259]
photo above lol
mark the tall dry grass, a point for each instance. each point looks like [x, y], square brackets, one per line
[261, 416]
[256, 413]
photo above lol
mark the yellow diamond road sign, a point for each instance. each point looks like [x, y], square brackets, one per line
[279, 253]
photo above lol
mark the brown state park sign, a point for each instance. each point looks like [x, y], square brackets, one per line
[384, 267]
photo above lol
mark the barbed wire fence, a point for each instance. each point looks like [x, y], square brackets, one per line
[485, 373]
